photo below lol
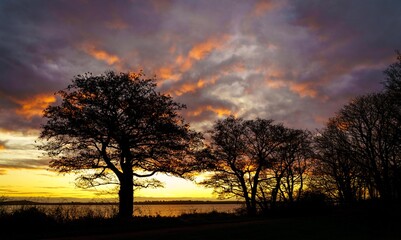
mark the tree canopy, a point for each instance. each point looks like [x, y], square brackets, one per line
[257, 160]
[116, 128]
[393, 77]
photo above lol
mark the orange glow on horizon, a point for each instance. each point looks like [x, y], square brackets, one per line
[28, 183]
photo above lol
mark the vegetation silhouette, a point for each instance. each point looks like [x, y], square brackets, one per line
[361, 222]
[345, 176]
[256, 160]
[355, 157]
[115, 129]
[362, 147]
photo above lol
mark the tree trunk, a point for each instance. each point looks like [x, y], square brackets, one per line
[245, 193]
[126, 197]
[275, 192]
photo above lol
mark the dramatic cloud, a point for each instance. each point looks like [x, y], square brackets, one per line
[34, 106]
[294, 61]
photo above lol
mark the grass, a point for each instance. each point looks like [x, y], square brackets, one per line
[354, 223]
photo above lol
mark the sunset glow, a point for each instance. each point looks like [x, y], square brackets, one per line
[101, 54]
[296, 62]
[35, 106]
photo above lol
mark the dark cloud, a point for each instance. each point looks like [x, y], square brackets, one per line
[293, 61]
[14, 122]
[351, 35]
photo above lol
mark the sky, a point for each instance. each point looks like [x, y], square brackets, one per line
[294, 61]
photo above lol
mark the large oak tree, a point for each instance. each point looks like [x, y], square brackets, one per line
[114, 129]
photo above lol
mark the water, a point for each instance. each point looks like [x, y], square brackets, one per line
[170, 210]
[73, 211]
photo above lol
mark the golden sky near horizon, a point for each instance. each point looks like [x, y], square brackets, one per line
[41, 181]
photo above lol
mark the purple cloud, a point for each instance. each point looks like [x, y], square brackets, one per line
[292, 61]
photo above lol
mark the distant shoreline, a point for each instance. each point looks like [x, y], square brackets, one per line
[167, 202]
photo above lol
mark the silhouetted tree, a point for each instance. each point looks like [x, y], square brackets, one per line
[226, 159]
[241, 155]
[393, 84]
[336, 173]
[393, 78]
[284, 180]
[364, 142]
[374, 134]
[263, 139]
[296, 152]
[114, 128]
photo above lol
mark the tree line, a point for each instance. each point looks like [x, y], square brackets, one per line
[118, 129]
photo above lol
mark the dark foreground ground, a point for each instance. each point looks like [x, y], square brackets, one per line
[361, 223]
[300, 228]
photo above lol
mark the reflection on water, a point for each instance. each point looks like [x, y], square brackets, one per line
[72, 211]
[179, 209]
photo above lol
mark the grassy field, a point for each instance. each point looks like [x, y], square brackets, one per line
[361, 223]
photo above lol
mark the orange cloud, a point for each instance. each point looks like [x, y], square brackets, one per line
[200, 50]
[275, 78]
[217, 110]
[2, 147]
[192, 87]
[185, 88]
[101, 54]
[184, 63]
[275, 83]
[35, 106]
[303, 90]
[167, 73]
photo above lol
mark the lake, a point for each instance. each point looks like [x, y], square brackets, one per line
[179, 209]
[73, 211]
